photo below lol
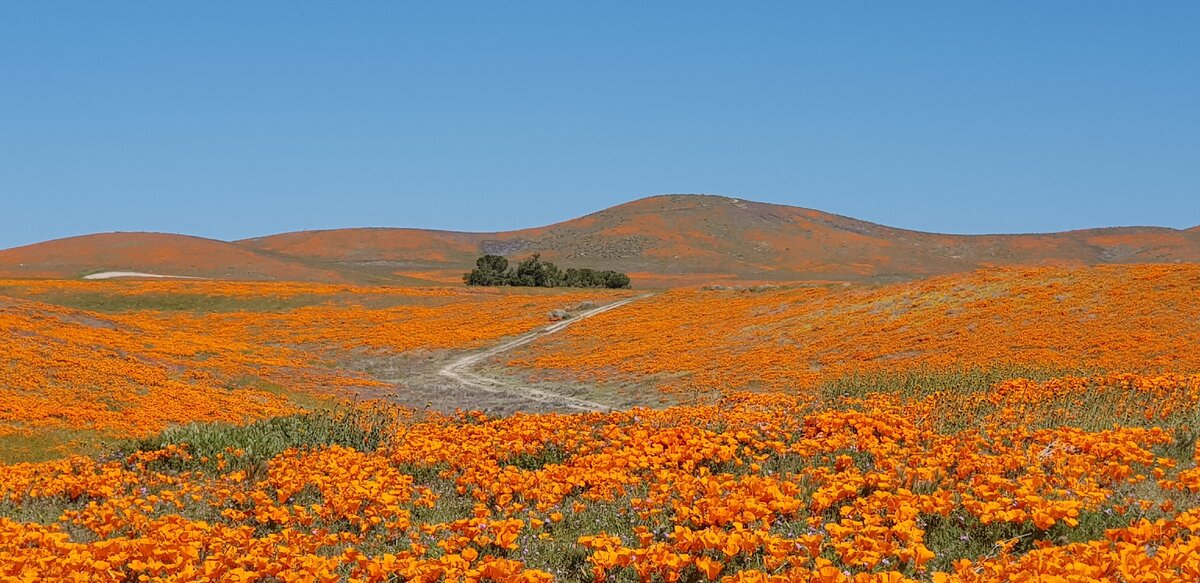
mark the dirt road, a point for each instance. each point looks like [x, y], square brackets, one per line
[137, 274]
[460, 371]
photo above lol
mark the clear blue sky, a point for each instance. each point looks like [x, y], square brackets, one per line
[235, 119]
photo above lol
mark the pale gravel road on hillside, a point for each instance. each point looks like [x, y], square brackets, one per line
[137, 274]
[460, 371]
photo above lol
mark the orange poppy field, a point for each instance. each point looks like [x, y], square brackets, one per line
[145, 355]
[1132, 318]
[1009, 424]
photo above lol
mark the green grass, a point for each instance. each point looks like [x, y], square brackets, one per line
[113, 303]
[551, 454]
[47, 444]
[923, 382]
[1089, 410]
[262, 440]
[118, 300]
[305, 400]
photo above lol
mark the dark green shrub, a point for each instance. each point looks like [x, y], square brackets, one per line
[533, 272]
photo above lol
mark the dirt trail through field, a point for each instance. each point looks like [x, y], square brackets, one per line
[137, 274]
[460, 371]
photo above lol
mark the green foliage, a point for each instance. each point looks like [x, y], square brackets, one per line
[551, 454]
[489, 270]
[357, 428]
[1091, 410]
[920, 382]
[50, 444]
[533, 272]
[591, 278]
[110, 302]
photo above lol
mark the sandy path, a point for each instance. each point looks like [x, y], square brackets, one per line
[116, 274]
[460, 372]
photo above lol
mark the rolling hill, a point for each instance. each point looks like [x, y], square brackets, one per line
[662, 241]
[1130, 318]
[164, 254]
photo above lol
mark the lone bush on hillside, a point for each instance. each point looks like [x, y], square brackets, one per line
[489, 270]
[533, 272]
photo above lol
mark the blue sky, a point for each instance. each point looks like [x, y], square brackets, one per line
[237, 119]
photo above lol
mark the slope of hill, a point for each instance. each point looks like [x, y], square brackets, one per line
[381, 249]
[663, 240]
[88, 360]
[70, 373]
[1135, 318]
[676, 236]
[157, 253]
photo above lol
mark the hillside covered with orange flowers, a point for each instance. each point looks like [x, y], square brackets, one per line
[146, 355]
[670, 240]
[663, 241]
[1128, 318]
[756, 487]
[157, 253]
[1024, 424]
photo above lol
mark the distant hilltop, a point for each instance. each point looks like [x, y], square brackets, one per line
[659, 241]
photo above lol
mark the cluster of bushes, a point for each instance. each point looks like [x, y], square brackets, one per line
[533, 272]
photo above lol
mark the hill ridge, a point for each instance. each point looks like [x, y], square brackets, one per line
[666, 240]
